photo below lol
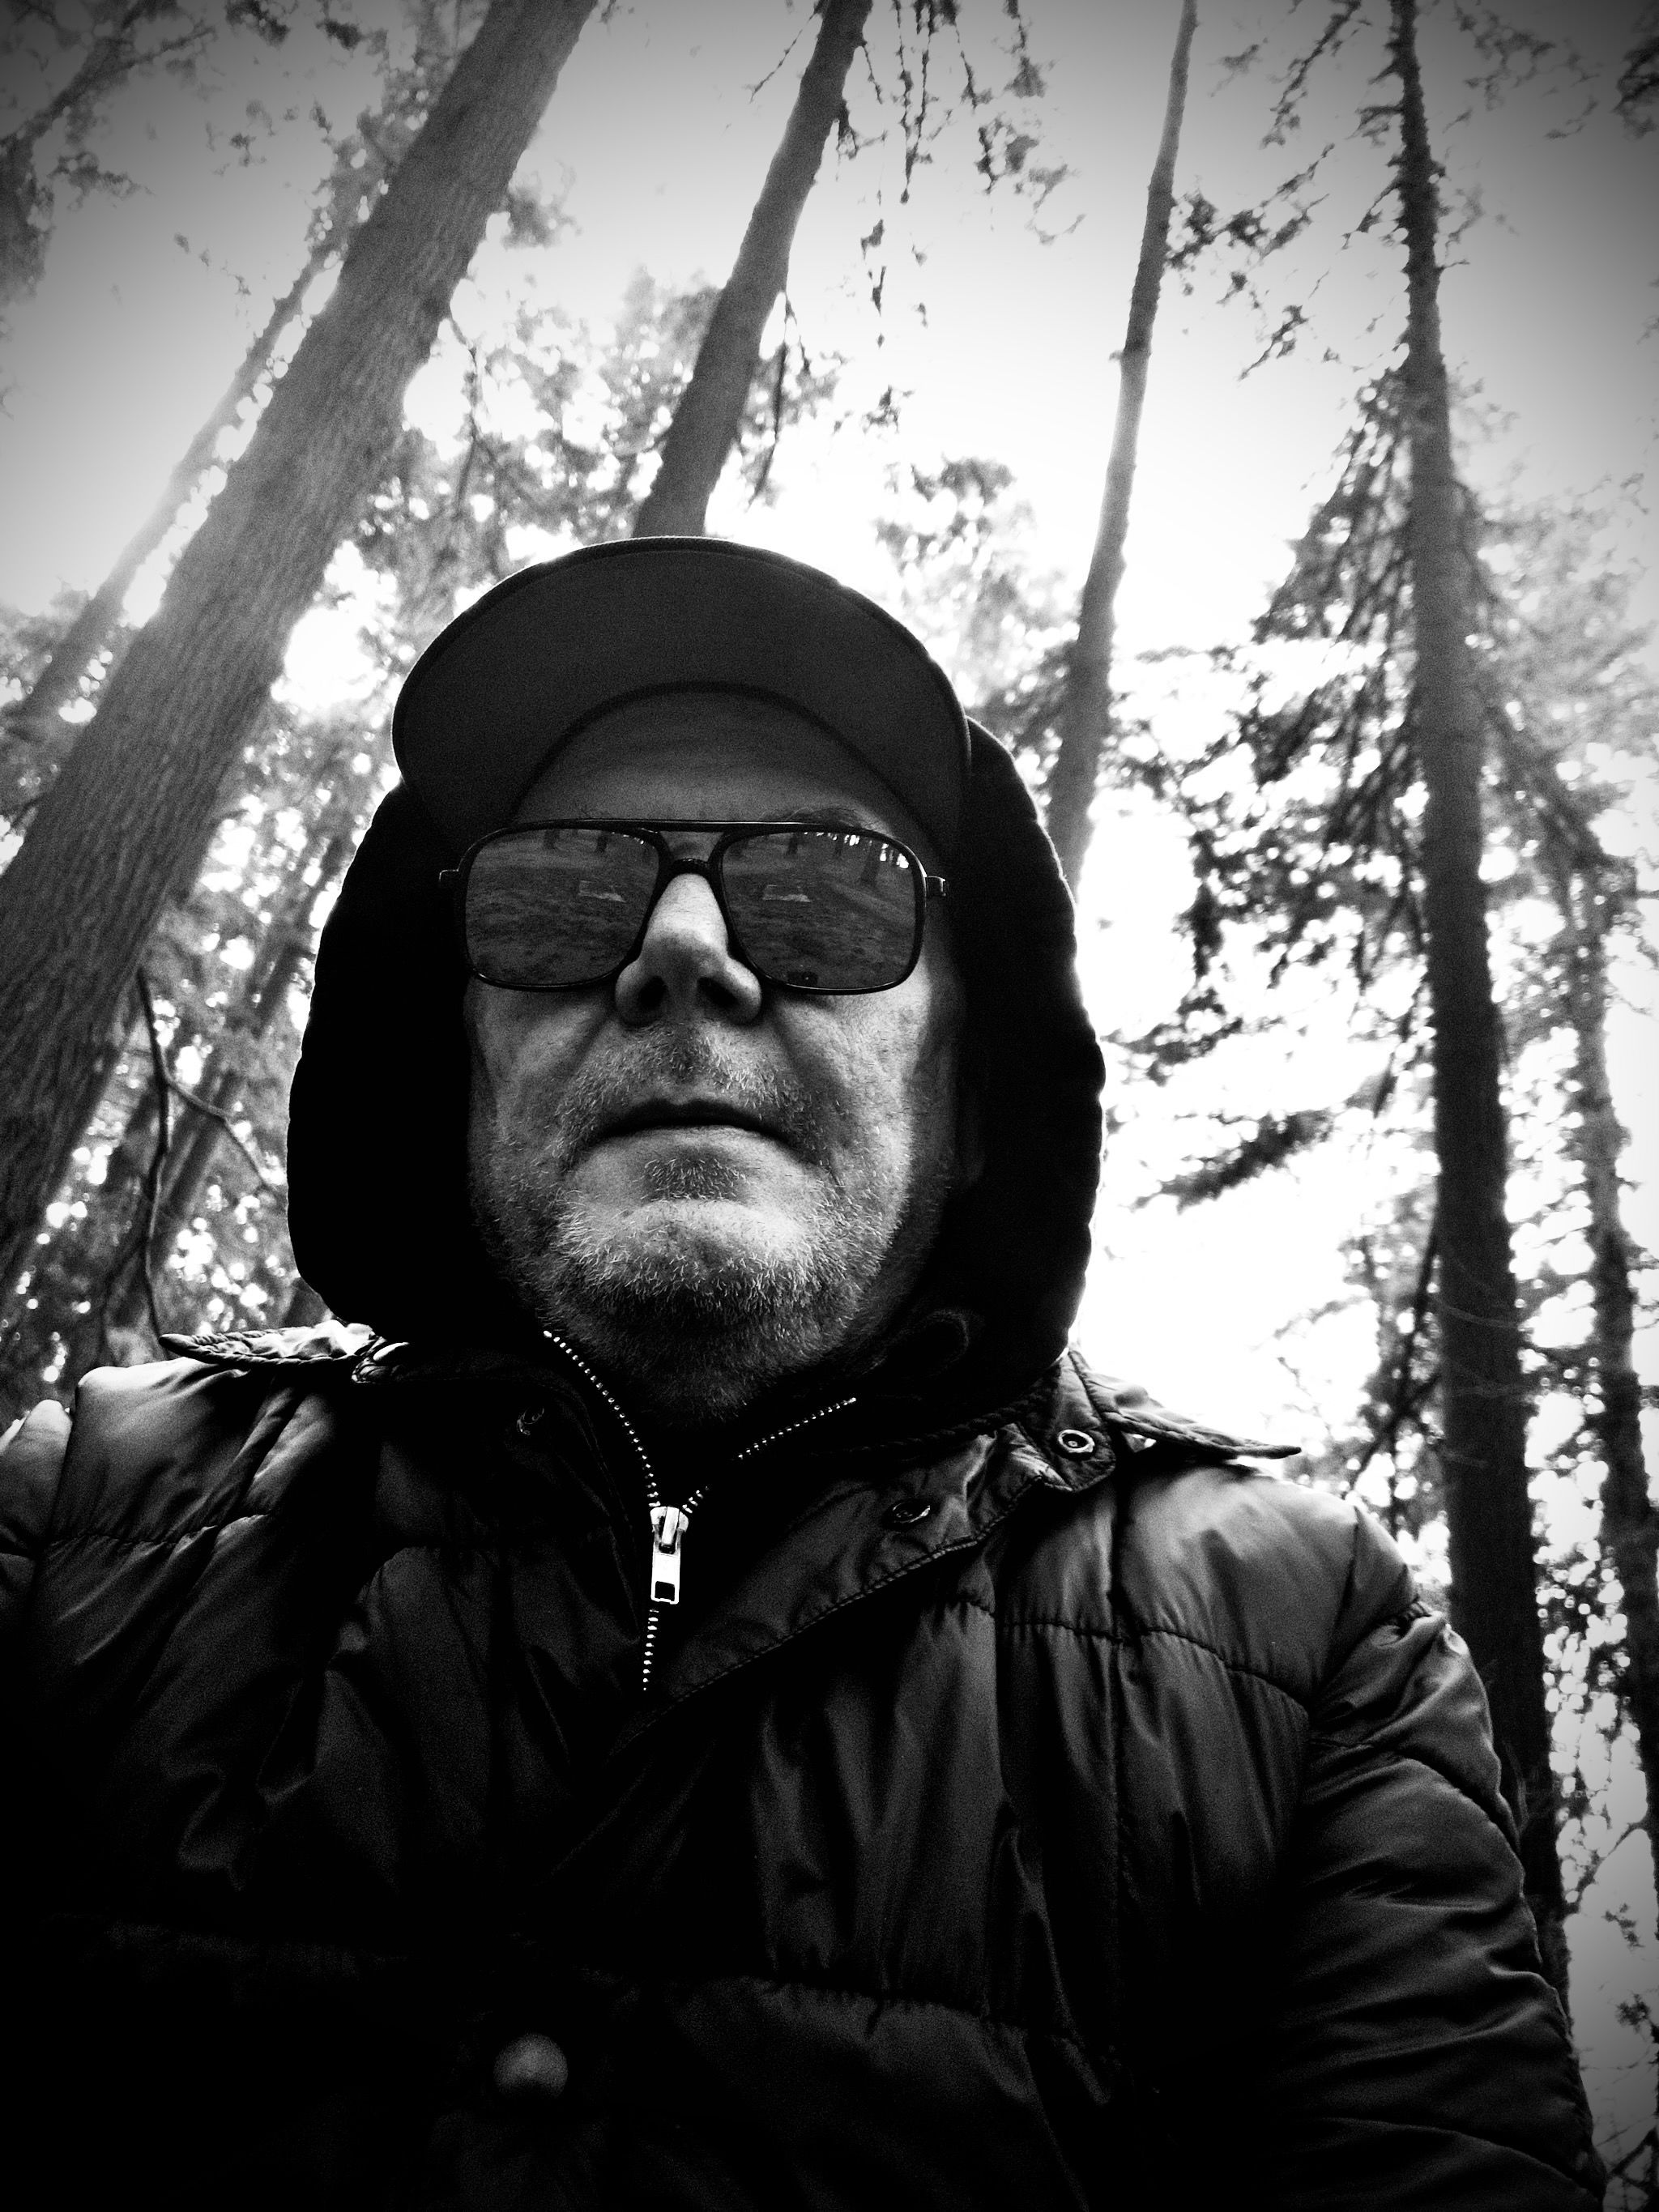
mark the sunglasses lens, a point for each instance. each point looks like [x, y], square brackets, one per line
[547, 910]
[824, 909]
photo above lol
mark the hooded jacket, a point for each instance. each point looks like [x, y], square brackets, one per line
[1041, 1805]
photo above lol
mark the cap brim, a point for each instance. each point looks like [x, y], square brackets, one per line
[498, 691]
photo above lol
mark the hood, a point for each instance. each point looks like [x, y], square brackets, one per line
[377, 1138]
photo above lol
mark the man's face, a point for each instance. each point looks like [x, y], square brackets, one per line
[709, 1182]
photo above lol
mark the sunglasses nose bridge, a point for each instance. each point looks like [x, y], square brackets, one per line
[671, 866]
[686, 955]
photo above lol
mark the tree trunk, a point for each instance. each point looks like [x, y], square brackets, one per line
[1483, 1393]
[87, 1337]
[62, 1284]
[1629, 1522]
[35, 718]
[136, 795]
[1085, 712]
[710, 412]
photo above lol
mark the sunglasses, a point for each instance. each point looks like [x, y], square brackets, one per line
[560, 906]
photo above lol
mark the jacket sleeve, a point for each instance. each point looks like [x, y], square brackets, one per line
[1421, 2061]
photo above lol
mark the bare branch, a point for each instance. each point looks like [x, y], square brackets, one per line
[163, 1082]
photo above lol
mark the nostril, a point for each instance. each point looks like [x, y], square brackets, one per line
[685, 959]
[531, 2066]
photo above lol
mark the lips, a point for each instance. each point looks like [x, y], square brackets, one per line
[651, 1113]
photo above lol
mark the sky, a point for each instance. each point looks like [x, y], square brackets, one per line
[998, 324]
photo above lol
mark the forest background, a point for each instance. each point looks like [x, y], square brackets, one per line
[927, 412]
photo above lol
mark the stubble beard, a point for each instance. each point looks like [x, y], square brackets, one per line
[699, 1310]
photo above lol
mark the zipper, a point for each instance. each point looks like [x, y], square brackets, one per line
[670, 1522]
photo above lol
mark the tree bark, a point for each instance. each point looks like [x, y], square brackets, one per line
[1629, 1522]
[1085, 712]
[138, 792]
[35, 718]
[1483, 1393]
[706, 422]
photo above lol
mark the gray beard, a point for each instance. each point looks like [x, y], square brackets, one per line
[693, 1332]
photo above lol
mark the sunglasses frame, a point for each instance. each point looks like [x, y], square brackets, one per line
[671, 865]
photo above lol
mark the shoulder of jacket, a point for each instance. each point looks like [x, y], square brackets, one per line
[328, 1343]
[1278, 1577]
[32, 1453]
[1072, 1411]
[176, 1446]
[1281, 1579]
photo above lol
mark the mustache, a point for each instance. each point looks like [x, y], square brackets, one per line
[657, 1064]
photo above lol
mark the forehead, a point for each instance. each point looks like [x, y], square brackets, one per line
[712, 757]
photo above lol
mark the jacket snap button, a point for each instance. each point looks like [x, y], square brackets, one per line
[1077, 1443]
[906, 1512]
[531, 2066]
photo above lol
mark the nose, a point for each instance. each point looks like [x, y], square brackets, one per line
[685, 966]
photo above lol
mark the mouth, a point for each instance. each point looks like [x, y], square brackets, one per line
[651, 1114]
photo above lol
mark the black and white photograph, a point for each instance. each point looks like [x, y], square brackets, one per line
[829, 1105]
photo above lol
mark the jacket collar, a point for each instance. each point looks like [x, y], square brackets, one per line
[897, 1496]
[906, 1507]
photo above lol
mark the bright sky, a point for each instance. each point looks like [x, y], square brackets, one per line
[999, 344]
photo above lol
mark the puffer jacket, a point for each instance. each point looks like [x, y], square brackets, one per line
[1042, 1807]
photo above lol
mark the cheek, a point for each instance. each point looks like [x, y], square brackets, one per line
[496, 1050]
[519, 1052]
[485, 1066]
[888, 1065]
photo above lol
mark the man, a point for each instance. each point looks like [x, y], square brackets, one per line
[698, 1699]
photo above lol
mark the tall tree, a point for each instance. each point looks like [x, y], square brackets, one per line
[36, 719]
[710, 413]
[1573, 705]
[1630, 1520]
[553, 429]
[34, 737]
[129, 814]
[1483, 1390]
[1085, 715]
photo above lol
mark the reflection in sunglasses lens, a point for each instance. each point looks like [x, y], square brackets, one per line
[555, 907]
[822, 909]
[827, 910]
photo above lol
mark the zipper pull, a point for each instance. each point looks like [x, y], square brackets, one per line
[668, 1526]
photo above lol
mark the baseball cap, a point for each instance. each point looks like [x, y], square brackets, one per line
[496, 693]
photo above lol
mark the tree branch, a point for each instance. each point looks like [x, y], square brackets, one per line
[158, 1157]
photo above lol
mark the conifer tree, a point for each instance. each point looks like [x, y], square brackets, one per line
[227, 965]
[1085, 712]
[126, 821]
[1483, 1390]
[34, 736]
[711, 409]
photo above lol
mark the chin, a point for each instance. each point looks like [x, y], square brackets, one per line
[724, 1282]
[683, 1239]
